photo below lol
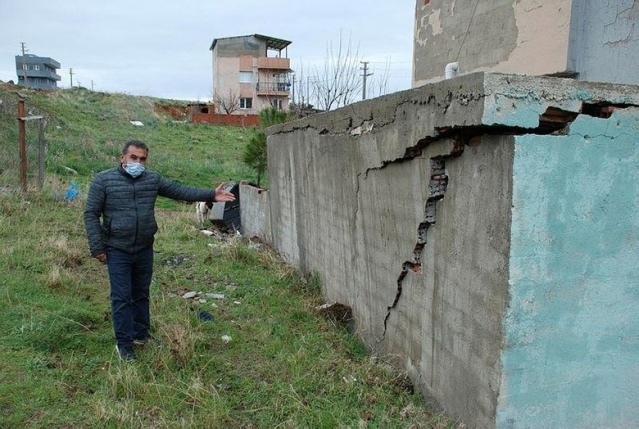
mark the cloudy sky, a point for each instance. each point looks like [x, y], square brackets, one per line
[161, 47]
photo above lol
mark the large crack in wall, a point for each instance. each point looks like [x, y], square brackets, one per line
[437, 190]
[552, 121]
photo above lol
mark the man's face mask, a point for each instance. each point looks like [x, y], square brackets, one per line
[134, 168]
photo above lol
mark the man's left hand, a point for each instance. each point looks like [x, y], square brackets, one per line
[222, 195]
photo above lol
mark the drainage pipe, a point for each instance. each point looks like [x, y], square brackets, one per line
[451, 70]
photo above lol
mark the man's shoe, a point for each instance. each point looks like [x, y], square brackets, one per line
[125, 353]
[146, 341]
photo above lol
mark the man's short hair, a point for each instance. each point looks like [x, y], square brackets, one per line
[136, 143]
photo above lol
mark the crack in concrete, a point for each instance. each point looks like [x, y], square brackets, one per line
[553, 120]
[437, 189]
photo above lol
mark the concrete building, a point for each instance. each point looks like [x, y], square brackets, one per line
[250, 73]
[589, 40]
[37, 72]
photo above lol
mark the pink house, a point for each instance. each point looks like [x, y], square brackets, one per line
[250, 73]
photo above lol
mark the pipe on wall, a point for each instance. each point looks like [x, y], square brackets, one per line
[451, 70]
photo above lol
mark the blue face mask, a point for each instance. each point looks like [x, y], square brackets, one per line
[134, 168]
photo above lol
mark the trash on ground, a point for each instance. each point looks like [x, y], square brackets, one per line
[215, 295]
[205, 316]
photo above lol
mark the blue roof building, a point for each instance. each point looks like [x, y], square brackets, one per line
[37, 72]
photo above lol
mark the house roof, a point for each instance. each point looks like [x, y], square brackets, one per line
[271, 42]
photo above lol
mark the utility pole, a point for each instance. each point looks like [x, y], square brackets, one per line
[24, 64]
[293, 87]
[365, 75]
[22, 143]
[71, 75]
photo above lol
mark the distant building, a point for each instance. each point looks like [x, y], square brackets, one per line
[250, 73]
[586, 40]
[40, 72]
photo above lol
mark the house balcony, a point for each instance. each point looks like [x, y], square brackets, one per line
[45, 74]
[265, 63]
[281, 89]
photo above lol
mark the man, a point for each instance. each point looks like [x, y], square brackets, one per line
[124, 198]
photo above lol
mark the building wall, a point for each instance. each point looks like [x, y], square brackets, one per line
[604, 40]
[523, 36]
[590, 39]
[476, 249]
[571, 357]
[226, 79]
[223, 119]
[231, 47]
[255, 214]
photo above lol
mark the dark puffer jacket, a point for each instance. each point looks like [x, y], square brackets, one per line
[126, 205]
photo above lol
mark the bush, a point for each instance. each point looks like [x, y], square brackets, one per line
[255, 154]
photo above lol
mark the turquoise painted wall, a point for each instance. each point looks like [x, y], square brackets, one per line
[571, 353]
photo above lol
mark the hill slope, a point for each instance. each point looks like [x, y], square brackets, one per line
[85, 131]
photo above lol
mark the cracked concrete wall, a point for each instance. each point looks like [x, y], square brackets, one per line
[590, 39]
[413, 210]
[604, 40]
[254, 214]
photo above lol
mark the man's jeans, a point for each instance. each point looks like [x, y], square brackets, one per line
[130, 276]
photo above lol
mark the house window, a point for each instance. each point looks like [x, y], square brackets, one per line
[277, 103]
[246, 103]
[246, 77]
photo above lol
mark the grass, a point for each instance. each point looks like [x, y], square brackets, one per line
[266, 360]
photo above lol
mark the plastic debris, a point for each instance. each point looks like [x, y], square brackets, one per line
[72, 192]
[215, 295]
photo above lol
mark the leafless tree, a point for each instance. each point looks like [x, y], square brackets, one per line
[338, 82]
[380, 81]
[303, 93]
[229, 103]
